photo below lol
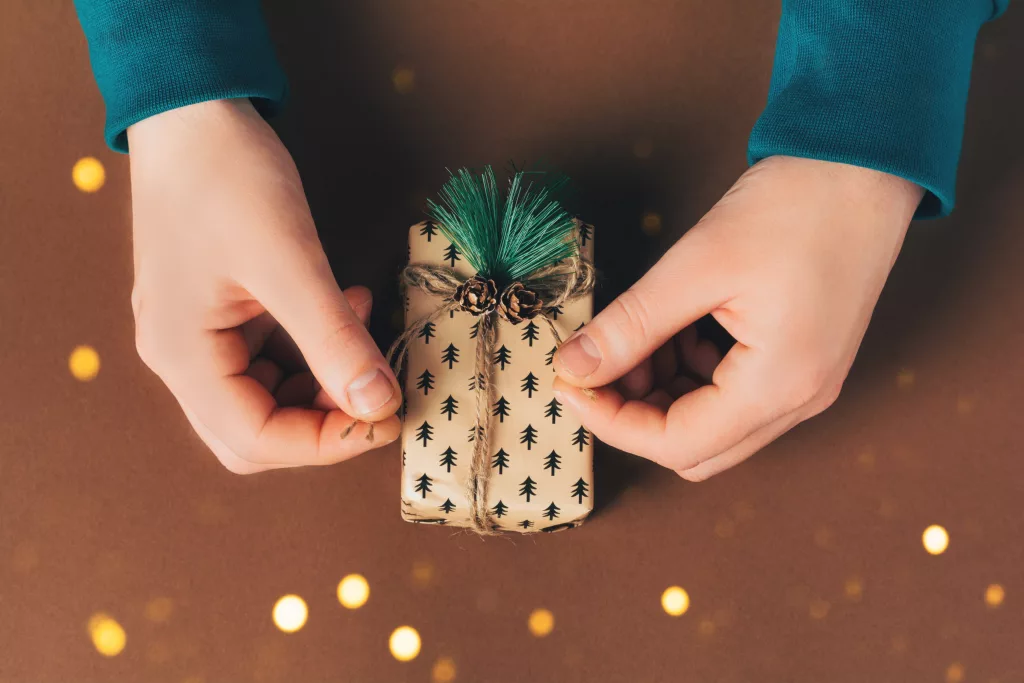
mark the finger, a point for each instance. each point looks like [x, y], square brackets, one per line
[227, 458]
[639, 381]
[678, 290]
[741, 451]
[257, 331]
[700, 355]
[299, 290]
[266, 372]
[664, 364]
[298, 390]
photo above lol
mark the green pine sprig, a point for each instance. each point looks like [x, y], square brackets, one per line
[504, 238]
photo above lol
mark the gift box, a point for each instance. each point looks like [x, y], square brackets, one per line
[539, 456]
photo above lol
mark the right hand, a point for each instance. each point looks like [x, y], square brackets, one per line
[236, 307]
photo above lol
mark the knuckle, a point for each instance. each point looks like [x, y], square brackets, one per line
[343, 338]
[633, 314]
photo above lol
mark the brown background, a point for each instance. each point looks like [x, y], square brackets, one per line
[108, 501]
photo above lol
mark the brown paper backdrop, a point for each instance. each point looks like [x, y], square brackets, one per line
[107, 500]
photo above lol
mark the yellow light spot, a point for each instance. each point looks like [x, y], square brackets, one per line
[353, 591]
[422, 572]
[88, 174]
[541, 622]
[675, 601]
[84, 363]
[994, 595]
[955, 673]
[404, 80]
[905, 378]
[651, 223]
[404, 643]
[443, 671]
[158, 610]
[854, 588]
[706, 627]
[290, 613]
[108, 637]
[935, 539]
[866, 459]
[193, 679]
[725, 528]
[819, 609]
[643, 148]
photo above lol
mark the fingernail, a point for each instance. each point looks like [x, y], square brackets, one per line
[579, 356]
[370, 391]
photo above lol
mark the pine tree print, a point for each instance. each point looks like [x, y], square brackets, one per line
[551, 511]
[423, 485]
[474, 330]
[554, 410]
[586, 232]
[526, 524]
[503, 357]
[529, 385]
[500, 461]
[499, 510]
[450, 406]
[448, 458]
[427, 332]
[429, 229]
[480, 379]
[531, 333]
[549, 357]
[451, 254]
[556, 311]
[425, 382]
[501, 409]
[552, 461]
[529, 436]
[474, 432]
[579, 490]
[528, 488]
[579, 327]
[450, 356]
[447, 506]
[425, 433]
[581, 438]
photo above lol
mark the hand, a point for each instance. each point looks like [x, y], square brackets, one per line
[791, 262]
[236, 308]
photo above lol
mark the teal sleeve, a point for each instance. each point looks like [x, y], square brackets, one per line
[875, 83]
[150, 56]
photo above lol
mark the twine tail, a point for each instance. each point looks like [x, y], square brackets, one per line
[479, 472]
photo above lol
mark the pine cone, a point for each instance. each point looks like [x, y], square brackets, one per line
[476, 295]
[517, 303]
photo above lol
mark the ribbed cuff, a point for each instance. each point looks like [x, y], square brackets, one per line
[875, 83]
[150, 56]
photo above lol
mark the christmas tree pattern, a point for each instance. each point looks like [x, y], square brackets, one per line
[526, 524]
[549, 357]
[554, 410]
[448, 458]
[579, 490]
[503, 357]
[499, 510]
[447, 506]
[425, 433]
[423, 485]
[426, 332]
[581, 438]
[586, 231]
[551, 511]
[425, 382]
[501, 409]
[474, 330]
[528, 436]
[531, 333]
[450, 406]
[527, 488]
[552, 461]
[474, 432]
[555, 311]
[450, 356]
[500, 461]
[530, 383]
[428, 229]
[480, 379]
[451, 255]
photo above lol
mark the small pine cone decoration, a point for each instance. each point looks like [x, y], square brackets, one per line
[476, 295]
[517, 303]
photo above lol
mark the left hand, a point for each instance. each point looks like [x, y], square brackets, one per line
[790, 262]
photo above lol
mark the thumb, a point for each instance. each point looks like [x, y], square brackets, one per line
[677, 291]
[300, 292]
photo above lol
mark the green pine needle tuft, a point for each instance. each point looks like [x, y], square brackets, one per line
[504, 238]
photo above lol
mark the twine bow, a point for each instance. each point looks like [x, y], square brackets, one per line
[534, 297]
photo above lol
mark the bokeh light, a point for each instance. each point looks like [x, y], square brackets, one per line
[651, 223]
[108, 636]
[88, 174]
[955, 673]
[158, 610]
[994, 595]
[675, 601]
[422, 572]
[541, 622]
[905, 378]
[854, 588]
[353, 591]
[443, 671]
[935, 539]
[84, 363]
[404, 643]
[404, 80]
[290, 613]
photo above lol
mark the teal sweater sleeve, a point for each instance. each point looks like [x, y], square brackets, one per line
[150, 56]
[875, 83]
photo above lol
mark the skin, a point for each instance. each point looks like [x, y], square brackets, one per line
[791, 262]
[236, 307]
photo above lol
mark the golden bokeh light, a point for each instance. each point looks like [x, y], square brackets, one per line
[290, 613]
[541, 622]
[422, 572]
[675, 601]
[854, 588]
[955, 673]
[108, 636]
[404, 80]
[651, 223]
[353, 591]
[819, 609]
[88, 174]
[443, 671]
[994, 595]
[706, 628]
[404, 643]
[935, 539]
[84, 363]
[905, 378]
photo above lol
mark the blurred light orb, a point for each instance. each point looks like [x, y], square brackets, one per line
[994, 595]
[651, 223]
[675, 601]
[290, 613]
[88, 174]
[541, 622]
[108, 636]
[955, 673]
[854, 588]
[158, 610]
[353, 591]
[935, 539]
[443, 671]
[84, 363]
[404, 643]
[404, 80]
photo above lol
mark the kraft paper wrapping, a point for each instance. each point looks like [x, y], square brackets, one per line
[541, 457]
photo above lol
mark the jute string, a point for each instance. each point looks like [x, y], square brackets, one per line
[555, 285]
